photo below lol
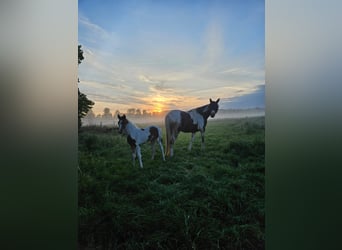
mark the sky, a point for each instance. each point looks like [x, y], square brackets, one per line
[158, 55]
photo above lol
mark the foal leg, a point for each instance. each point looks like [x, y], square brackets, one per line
[139, 156]
[191, 141]
[134, 155]
[153, 149]
[161, 148]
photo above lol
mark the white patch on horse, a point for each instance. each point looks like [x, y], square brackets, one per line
[175, 116]
[197, 119]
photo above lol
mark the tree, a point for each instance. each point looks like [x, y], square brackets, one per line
[131, 111]
[145, 112]
[117, 112]
[84, 104]
[106, 113]
[90, 117]
[80, 54]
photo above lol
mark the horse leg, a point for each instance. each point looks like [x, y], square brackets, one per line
[134, 155]
[202, 145]
[168, 131]
[173, 140]
[161, 148]
[191, 141]
[139, 156]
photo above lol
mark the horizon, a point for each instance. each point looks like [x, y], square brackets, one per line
[158, 113]
[171, 55]
[159, 118]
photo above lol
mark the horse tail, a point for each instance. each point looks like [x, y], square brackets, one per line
[160, 135]
[168, 135]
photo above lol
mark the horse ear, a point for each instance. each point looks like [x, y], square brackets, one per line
[217, 100]
[119, 117]
[211, 101]
[124, 116]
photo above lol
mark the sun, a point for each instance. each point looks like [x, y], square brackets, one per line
[157, 110]
[159, 104]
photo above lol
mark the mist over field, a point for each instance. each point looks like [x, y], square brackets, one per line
[111, 120]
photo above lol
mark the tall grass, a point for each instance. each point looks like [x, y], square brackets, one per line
[212, 199]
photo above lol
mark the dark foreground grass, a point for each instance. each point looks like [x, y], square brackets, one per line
[212, 199]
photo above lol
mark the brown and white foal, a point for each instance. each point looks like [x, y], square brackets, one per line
[137, 136]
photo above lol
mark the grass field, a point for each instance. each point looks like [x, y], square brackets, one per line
[212, 199]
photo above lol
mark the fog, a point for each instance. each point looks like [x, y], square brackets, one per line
[239, 113]
[159, 118]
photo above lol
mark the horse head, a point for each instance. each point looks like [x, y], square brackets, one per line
[122, 123]
[213, 107]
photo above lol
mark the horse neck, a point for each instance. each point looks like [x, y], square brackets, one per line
[130, 128]
[201, 110]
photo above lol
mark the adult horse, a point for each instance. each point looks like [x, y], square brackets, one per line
[189, 122]
[137, 136]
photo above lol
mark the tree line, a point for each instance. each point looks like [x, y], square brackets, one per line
[132, 112]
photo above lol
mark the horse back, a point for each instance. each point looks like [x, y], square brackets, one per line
[182, 120]
[187, 123]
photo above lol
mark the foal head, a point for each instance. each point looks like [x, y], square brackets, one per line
[122, 123]
[213, 107]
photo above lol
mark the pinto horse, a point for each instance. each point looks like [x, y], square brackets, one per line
[137, 136]
[189, 122]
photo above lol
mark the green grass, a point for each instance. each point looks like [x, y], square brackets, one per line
[212, 199]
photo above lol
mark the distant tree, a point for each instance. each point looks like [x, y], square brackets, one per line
[131, 111]
[90, 114]
[106, 113]
[144, 112]
[117, 112]
[90, 117]
[138, 112]
[84, 104]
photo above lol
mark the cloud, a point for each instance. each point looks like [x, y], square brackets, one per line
[236, 71]
[95, 29]
[252, 99]
[138, 64]
[101, 85]
[214, 42]
[147, 79]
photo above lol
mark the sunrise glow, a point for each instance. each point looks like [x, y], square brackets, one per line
[171, 54]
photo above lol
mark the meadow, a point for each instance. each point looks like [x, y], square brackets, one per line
[211, 199]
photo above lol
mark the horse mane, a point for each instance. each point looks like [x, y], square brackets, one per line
[201, 110]
[132, 123]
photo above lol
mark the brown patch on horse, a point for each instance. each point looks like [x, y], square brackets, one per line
[153, 134]
[187, 124]
[131, 142]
